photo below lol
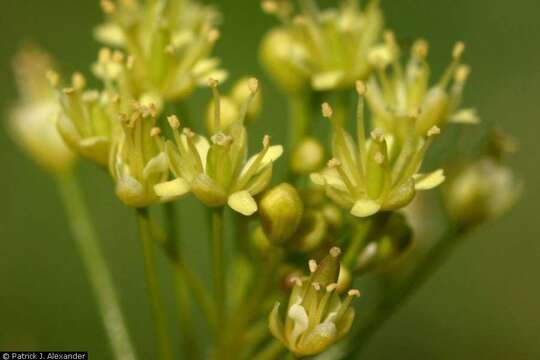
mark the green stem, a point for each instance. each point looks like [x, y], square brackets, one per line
[158, 310]
[218, 256]
[403, 291]
[187, 328]
[270, 351]
[299, 118]
[96, 268]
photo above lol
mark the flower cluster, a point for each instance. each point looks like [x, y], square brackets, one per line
[169, 43]
[158, 51]
[320, 49]
[316, 316]
[377, 173]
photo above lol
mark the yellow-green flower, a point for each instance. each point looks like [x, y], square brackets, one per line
[33, 119]
[138, 162]
[88, 119]
[169, 43]
[395, 91]
[320, 49]
[218, 172]
[378, 173]
[316, 317]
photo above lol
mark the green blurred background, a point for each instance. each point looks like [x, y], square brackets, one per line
[483, 304]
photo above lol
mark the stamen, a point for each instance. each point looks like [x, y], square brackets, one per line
[253, 86]
[462, 73]
[336, 164]
[458, 50]
[213, 83]
[155, 131]
[354, 293]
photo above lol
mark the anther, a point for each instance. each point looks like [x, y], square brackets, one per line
[435, 130]
[213, 35]
[213, 83]
[108, 6]
[174, 122]
[354, 292]
[78, 81]
[335, 252]
[377, 134]
[327, 111]
[312, 265]
[421, 49]
[266, 141]
[361, 88]
[253, 85]
[334, 163]
[53, 77]
[331, 287]
[379, 158]
[459, 48]
[155, 131]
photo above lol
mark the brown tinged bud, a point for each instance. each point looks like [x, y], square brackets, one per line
[281, 211]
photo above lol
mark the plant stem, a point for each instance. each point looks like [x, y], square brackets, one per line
[299, 118]
[270, 351]
[96, 268]
[158, 310]
[403, 291]
[218, 256]
[187, 328]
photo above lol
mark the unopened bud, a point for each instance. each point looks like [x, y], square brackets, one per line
[281, 211]
[307, 157]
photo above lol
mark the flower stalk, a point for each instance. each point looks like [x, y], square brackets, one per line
[96, 267]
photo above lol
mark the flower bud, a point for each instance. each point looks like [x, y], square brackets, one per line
[276, 49]
[33, 119]
[394, 240]
[308, 156]
[311, 233]
[316, 316]
[281, 211]
[482, 191]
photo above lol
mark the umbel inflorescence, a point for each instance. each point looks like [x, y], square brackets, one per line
[347, 197]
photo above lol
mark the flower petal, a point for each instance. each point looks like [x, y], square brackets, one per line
[276, 324]
[242, 202]
[365, 208]
[172, 189]
[298, 314]
[429, 181]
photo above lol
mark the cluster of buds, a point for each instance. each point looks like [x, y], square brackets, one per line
[301, 222]
[33, 119]
[320, 49]
[169, 43]
[375, 174]
[316, 316]
[137, 161]
[397, 92]
[218, 172]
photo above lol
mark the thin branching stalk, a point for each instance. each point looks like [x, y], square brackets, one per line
[399, 294]
[218, 260]
[158, 309]
[96, 268]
